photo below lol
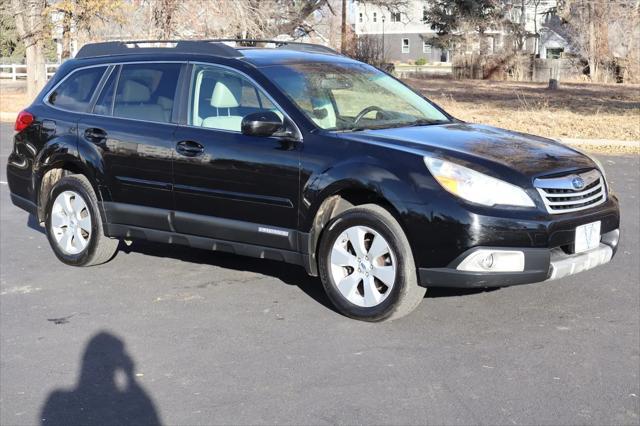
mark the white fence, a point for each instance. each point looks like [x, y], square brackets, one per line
[16, 71]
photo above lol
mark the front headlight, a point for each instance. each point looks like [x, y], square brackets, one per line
[475, 186]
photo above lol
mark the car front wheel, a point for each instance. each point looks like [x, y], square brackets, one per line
[367, 267]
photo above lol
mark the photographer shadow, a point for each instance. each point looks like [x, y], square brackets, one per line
[100, 398]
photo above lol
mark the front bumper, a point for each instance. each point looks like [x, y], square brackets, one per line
[541, 264]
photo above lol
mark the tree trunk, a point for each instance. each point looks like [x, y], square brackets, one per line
[163, 17]
[30, 26]
[592, 59]
[66, 36]
[535, 29]
[522, 41]
[343, 40]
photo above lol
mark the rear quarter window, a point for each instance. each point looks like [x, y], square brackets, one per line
[75, 92]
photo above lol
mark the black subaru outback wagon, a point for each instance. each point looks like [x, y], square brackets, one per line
[295, 153]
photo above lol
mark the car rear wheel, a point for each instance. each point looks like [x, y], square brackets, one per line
[367, 267]
[73, 224]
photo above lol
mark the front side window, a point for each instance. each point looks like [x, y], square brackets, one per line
[221, 98]
[395, 17]
[146, 91]
[75, 92]
[375, 17]
[405, 45]
[352, 96]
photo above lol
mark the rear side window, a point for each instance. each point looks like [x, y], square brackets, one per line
[146, 92]
[75, 92]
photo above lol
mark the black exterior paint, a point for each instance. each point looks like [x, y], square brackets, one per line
[239, 185]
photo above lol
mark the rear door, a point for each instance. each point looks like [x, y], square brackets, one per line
[131, 132]
[228, 185]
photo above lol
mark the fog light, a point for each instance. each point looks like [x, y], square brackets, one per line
[486, 260]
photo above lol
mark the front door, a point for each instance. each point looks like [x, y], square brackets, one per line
[227, 185]
[133, 132]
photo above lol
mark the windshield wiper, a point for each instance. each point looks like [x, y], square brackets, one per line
[424, 122]
[420, 122]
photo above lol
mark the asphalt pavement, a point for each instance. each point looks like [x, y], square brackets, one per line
[172, 335]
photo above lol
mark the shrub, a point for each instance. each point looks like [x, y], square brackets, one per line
[421, 61]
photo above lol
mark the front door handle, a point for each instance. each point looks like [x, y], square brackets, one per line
[189, 148]
[95, 135]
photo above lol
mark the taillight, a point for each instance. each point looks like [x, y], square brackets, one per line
[25, 118]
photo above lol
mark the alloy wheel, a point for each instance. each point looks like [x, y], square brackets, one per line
[71, 222]
[363, 266]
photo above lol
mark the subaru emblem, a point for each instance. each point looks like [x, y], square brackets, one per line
[578, 182]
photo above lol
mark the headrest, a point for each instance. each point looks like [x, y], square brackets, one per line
[227, 93]
[135, 92]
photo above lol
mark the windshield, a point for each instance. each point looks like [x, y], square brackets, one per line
[352, 96]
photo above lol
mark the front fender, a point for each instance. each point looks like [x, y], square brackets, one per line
[368, 177]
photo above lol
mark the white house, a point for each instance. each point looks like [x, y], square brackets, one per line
[407, 35]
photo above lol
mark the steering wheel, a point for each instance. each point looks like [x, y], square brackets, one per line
[366, 111]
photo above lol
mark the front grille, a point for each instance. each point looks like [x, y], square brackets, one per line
[571, 193]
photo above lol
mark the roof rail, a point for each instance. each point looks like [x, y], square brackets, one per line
[280, 44]
[215, 47]
[205, 47]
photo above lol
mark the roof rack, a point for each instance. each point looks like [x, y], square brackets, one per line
[216, 47]
[280, 44]
[157, 46]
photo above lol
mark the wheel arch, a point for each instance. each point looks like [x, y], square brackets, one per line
[335, 199]
[50, 171]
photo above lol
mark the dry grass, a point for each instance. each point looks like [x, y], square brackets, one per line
[580, 111]
[13, 101]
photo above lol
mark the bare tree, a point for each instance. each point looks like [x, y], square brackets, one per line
[588, 23]
[163, 17]
[82, 15]
[32, 28]
[343, 30]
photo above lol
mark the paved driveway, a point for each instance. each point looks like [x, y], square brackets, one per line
[181, 336]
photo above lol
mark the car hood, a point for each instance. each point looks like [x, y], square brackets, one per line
[526, 154]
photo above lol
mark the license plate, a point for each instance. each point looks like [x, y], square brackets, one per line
[587, 237]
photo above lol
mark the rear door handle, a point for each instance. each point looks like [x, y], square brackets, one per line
[95, 135]
[189, 148]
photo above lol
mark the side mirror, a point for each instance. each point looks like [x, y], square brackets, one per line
[264, 123]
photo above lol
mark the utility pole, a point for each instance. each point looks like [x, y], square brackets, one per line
[343, 41]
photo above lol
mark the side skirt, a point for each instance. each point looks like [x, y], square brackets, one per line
[243, 249]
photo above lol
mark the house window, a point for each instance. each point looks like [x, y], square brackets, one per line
[554, 53]
[360, 18]
[405, 45]
[444, 56]
[426, 48]
[375, 17]
[425, 15]
[395, 17]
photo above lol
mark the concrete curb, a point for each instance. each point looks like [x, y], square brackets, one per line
[600, 142]
[604, 146]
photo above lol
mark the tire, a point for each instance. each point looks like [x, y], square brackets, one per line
[75, 240]
[366, 290]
